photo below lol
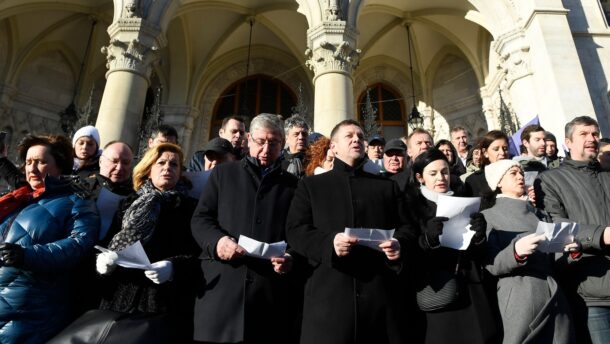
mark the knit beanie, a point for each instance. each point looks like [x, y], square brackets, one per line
[495, 171]
[90, 131]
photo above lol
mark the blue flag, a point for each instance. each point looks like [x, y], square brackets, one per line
[514, 142]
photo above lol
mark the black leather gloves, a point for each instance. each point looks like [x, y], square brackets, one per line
[432, 231]
[479, 226]
[11, 254]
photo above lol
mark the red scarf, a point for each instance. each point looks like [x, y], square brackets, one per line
[16, 199]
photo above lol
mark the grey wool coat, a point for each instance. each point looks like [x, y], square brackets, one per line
[532, 305]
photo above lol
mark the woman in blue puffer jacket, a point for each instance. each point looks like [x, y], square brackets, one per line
[45, 229]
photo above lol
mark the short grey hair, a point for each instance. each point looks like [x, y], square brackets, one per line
[267, 121]
[582, 120]
[295, 121]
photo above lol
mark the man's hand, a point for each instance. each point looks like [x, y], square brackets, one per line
[282, 265]
[391, 248]
[227, 249]
[343, 244]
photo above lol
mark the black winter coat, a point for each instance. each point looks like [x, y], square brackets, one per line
[356, 298]
[244, 299]
[129, 290]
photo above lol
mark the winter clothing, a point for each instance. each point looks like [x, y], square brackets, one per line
[471, 318]
[476, 184]
[579, 192]
[356, 298]
[533, 306]
[129, 290]
[496, 171]
[90, 131]
[243, 299]
[55, 231]
[294, 163]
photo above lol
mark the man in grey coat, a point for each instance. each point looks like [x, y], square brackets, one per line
[579, 191]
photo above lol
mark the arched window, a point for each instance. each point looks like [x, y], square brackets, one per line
[251, 96]
[390, 109]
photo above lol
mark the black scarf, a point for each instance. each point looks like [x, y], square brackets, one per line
[141, 218]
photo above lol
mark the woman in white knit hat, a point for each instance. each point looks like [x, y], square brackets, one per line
[532, 305]
[86, 143]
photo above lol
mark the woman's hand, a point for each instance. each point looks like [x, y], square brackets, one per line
[160, 272]
[528, 244]
[105, 262]
[433, 230]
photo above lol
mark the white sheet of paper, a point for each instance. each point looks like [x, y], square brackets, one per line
[132, 256]
[557, 235]
[530, 177]
[196, 179]
[370, 237]
[456, 231]
[260, 249]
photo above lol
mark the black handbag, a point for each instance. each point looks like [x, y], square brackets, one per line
[441, 289]
[104, 326]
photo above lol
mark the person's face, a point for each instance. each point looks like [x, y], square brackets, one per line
[375, 151]
[265, 146]
[214, 158]
[297, 139]
[513, 183]
[435, 176]
[445, 149]
[85, 147]
[165, 172]
[536, 146]
[160, 138]
[328, 162]
[348, 144]
[476, 157]
[460, 140]
[584, 143]
[234, 132]
[394, 160]
[604, 157]
[497, 150]
[551, 148]
[116, 162]
[418, 144]
[38, 163]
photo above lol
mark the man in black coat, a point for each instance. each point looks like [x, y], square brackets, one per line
[353, 293]
[246, 299]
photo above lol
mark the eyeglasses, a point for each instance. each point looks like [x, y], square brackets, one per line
[269, 143]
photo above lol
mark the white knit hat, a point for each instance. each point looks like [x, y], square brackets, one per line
[90, 131]
[495, 171]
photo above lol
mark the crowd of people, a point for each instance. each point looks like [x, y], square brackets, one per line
[274, 181]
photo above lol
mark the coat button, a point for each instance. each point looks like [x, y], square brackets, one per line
[258, 221]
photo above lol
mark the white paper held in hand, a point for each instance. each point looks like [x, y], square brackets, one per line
[370, 237]
[557, 235]
[260, 249]
[456, 230]
[132, 256]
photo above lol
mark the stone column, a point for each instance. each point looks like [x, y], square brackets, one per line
[135, 39]
[332, 55]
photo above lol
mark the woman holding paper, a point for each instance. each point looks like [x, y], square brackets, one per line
[46, 228]
[449, 288]
[159, 218]
[532, 305]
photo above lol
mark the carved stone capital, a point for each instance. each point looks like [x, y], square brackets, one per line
[332, 48]
[514, 60]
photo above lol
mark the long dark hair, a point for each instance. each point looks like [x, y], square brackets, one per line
[486, 141]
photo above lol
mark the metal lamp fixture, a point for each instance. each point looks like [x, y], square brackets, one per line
[415, 119]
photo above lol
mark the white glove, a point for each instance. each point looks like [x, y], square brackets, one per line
[161, 272]
[528, 244]
[105, 262]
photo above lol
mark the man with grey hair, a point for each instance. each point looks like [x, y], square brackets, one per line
[244, 295]
[296, 130]
[579, 191]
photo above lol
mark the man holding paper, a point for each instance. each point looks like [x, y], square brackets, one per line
[353, 294]
[579, 191]
[247, 294]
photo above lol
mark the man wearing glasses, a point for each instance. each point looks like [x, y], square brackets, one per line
[244, 298]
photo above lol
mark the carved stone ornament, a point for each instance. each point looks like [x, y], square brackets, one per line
[328, 57]
[333, 10]
[514, 57]
[131, 9]
[131, 56]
